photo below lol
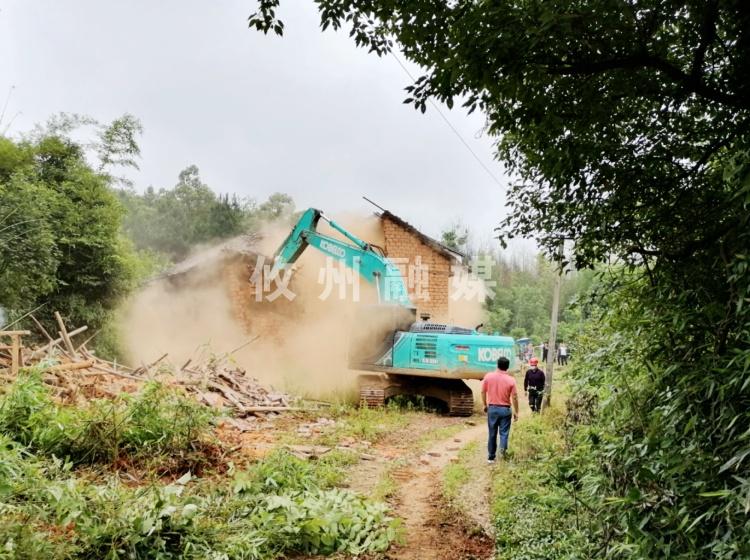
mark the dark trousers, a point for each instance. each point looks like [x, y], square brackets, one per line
[535, 399]
[498, 420]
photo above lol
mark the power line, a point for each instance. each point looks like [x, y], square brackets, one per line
[7, 100]
[450, 125]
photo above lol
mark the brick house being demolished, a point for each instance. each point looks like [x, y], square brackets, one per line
[426, 265]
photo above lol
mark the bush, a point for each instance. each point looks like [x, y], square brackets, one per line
[535, 513]
[157, 421]
[275, 508]
[284, 505]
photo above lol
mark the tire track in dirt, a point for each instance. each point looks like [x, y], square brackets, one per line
[433, 530]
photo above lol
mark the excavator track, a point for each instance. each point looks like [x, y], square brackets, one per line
[457, 396]
[372, 391]
[461, 402]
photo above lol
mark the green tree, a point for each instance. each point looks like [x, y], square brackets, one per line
[455, 237]
[61, 243]
[28, 259]
[118, 144]
[278, 206]
[172, 221]
[575, 92]
[498, 320]
[113, 145]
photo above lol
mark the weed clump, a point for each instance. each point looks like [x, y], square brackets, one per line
[156, 422]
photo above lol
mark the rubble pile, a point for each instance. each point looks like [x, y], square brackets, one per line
[220, 385]
[75, 374]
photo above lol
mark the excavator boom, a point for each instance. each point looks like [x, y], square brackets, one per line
[357, 255]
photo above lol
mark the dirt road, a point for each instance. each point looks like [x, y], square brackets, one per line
[434, 529]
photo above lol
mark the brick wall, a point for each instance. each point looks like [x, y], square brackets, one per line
[236, 276]
[415, 258]
[431, 296]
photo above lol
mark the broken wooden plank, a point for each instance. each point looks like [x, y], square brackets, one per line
[103, 370]
[147, 367]
[272, 408]
[99, 360]
[41, 328]
[64, 334]
[58, 340]
[70, 366]
[229, 394]
[82, 346]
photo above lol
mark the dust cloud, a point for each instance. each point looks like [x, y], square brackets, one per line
[466, 302]
[186, 322]
[300, 345]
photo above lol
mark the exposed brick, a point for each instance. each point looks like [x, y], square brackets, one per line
[402, 243]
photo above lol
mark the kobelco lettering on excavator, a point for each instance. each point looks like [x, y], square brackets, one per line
[492, 354]
[333, 249]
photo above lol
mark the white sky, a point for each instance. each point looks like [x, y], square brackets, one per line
[308, 114]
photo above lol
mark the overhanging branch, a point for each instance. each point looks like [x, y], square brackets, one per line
[646, 60]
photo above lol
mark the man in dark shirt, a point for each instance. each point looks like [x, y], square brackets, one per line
[533, 385]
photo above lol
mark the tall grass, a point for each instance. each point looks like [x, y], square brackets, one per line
[156, 421]
[534, 518]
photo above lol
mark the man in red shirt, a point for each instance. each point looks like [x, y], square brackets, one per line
[498, 393]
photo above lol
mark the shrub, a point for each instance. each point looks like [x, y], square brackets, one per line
[157, 421]
[279, 506]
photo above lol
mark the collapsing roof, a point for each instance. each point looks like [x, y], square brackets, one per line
[444, 250]
[209, 259]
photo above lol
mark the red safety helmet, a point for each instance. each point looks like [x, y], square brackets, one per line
[533, 361]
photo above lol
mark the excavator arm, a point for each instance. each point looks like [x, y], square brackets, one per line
[357, 255]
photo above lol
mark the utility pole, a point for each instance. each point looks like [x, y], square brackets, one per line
[553, 331]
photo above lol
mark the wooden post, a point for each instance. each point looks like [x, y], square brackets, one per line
[16, 356]
[553, 331]
[551, 344]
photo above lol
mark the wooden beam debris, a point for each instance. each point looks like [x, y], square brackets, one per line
[215, 381]
[50, 345]
[15, 348]
[64, 335]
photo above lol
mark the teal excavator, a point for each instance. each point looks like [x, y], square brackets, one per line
[410, 357]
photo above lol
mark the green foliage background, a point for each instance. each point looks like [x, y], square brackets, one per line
[77, 239]
[60, 243]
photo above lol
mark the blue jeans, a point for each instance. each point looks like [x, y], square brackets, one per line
[498, 419]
